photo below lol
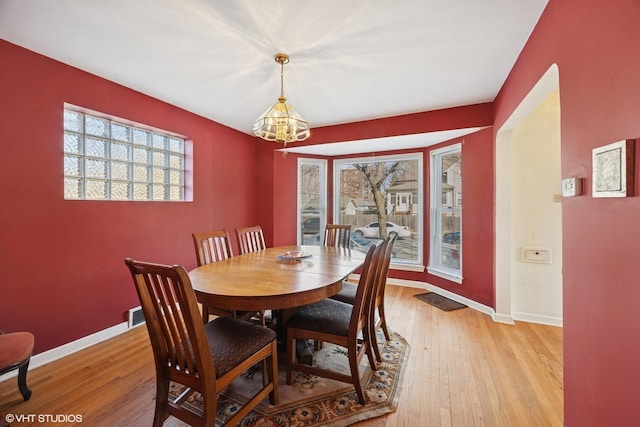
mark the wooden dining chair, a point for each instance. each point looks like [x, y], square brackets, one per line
[214, 246]
[377, 317]
[250, 239]
[15, 353]
[205, 358]
[337, 235]
[338, 323]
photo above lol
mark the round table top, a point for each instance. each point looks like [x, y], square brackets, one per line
[266, 279]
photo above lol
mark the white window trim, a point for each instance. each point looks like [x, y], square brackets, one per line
[417, 265]
[407, 267]
[322, 164]
[435, 200]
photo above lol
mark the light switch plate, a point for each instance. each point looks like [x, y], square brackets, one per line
[571, 187]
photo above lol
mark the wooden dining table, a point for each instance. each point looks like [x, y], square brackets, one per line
[269, 280]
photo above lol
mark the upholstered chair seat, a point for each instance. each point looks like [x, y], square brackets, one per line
[377, 316]
[227, 350]
[329, 316]
[15, 353]
[347, 293]
[203, 358]
[338, 323]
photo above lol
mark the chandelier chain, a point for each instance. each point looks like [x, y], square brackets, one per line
[282, 79]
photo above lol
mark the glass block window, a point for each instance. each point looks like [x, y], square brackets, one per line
[108, 160]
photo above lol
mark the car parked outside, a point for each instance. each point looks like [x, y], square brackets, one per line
[359, 243]
[373, 230]
[311, 225]
[452, 237]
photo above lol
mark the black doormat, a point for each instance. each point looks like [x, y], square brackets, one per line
[439, 301]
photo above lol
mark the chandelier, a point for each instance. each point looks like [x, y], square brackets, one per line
[281, 122]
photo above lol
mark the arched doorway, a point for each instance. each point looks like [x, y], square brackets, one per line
[528, 208]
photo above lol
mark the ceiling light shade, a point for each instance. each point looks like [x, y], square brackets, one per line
[281, 122]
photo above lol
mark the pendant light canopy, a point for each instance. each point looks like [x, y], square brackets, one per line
[281, 122]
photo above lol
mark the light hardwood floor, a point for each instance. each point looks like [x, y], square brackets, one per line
[463, 370]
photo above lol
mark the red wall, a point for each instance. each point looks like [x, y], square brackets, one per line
[57, 287]
[63, 275]
[477, 170]
[596, 45]
[237, 182]
[408, 124]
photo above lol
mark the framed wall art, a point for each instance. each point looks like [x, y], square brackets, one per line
[613, 169]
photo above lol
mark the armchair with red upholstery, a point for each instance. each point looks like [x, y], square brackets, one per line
[15, 353]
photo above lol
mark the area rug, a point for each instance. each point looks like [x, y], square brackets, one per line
[313, 400]
[439, 301]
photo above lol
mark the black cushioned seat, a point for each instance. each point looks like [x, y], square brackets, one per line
[339, 323]
[329, 316]
[377, 317]
[228, 351]
[347, 293]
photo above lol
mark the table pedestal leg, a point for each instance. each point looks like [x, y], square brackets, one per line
[304, 351]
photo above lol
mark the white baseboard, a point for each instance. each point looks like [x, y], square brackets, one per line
[84, 342]
[406, 283]
[536, 318]
[432, 288]
[496, 317]
[503, 318]
[71, 347]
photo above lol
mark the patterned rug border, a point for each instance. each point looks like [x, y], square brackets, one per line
[382, 391]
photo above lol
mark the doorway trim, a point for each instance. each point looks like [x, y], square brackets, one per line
[548, 83]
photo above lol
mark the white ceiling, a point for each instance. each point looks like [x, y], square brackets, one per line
[350, 60]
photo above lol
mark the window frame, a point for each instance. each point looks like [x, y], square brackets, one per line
[322, 197]
[435, 266]
[416, 264]
[175, 154]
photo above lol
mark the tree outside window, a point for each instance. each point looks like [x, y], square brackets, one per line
[380, 197]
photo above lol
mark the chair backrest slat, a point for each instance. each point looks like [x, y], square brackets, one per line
[337, 235]
[250, 239]
[366, 283]
[381, 281]
[179, 350]
[173, 320]
[212, 246]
